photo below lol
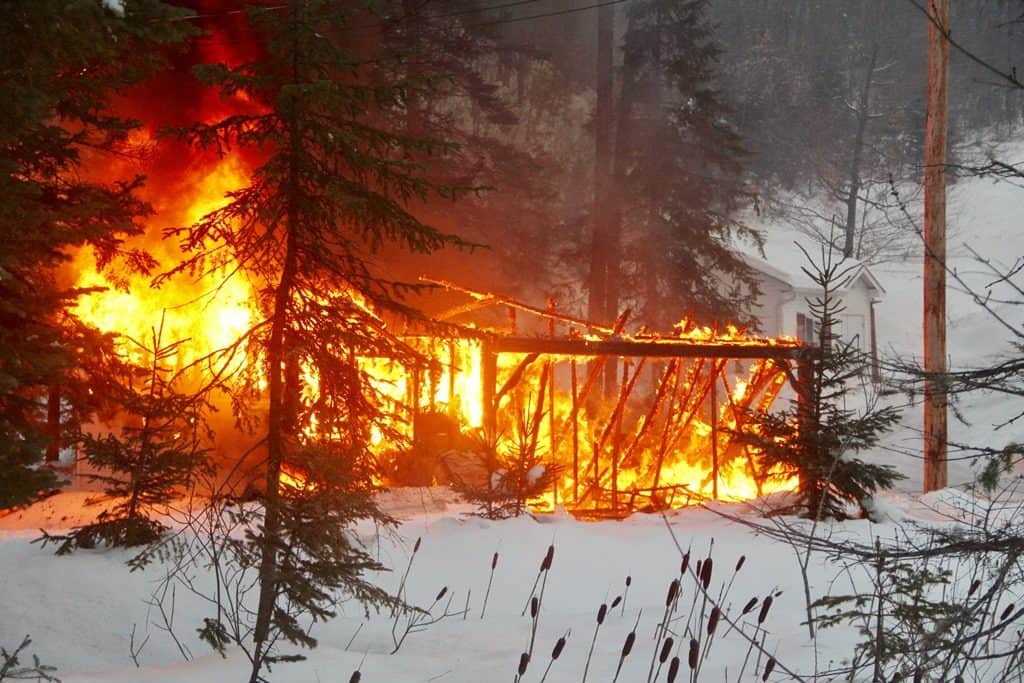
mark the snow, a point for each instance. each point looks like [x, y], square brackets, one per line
[80, 610]
[115, 6]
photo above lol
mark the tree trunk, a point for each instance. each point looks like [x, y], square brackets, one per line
[53, 424]
[278, 400]
[853, 196]
[596, 304]
[935, 476]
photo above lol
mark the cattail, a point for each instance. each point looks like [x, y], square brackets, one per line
[958, 679]
[765, 606]
[356, 676]
[768, 668]
[686, 563]
[700, 563]
[556, 652]
[673, 589]
[416, 546]
[896, 678]
[751, 604]
[673, 669]
[975, 585]
[694, 650]
[490, 580]
[616, 601]
[713, 620]
[548, 558]
[918, 675]
[705, 573]
[627, 646]
[666, 648]
[739, 562]
[601, 612]
[625, 593]
[534, 607]
[1006, 612]
[524, 661]
[441, 594]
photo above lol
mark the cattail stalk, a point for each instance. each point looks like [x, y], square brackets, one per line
[627, 647]
[401, 584]
[625, 595]
[666, 650]
[671, 600]
[601, 612]
[490, 580]
[556, 652]
[545, 565]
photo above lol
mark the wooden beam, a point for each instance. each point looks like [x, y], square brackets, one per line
[661, 348]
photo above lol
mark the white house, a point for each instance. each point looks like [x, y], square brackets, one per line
[783, 307]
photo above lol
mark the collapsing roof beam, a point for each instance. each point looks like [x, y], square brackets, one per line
[654, 348]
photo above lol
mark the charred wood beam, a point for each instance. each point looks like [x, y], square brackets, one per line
[666, 348]
[488, 299]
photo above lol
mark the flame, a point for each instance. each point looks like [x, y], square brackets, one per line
[669, 442]
[209, 312]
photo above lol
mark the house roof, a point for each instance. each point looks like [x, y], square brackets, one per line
[784, 261]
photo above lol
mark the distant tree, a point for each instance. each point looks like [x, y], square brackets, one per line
[817, 439]
[334, 188]
[61, 63]
[677, 173]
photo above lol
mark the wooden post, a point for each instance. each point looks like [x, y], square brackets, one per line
[714, 437]
[488, 379]
[935, 474]
[552, 444]
[452, 369]
[53, 424]
[876, 373]
[414, 400]
[575, 426]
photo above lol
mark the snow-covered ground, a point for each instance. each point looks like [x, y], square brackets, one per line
[81, 610]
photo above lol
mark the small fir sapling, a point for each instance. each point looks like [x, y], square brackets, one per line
[516, 475]
[156, 456]
[817, 438]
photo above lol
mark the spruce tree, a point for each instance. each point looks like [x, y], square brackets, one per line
[334, 190]
[677, 174]
[156, 456]
[817, 439]
[59, 67]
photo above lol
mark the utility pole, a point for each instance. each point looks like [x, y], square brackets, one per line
[935, 474]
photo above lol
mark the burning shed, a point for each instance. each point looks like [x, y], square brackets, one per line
[626, 420]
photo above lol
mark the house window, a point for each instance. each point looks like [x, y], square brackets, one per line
[805, 329]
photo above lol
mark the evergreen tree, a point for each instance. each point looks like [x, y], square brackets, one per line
[156, 457]
[677, 172]
[61, 62]
[816, 439]
[333, 190]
